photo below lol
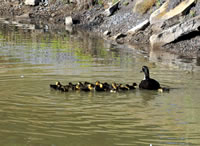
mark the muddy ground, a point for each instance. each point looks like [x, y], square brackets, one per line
[90, 17]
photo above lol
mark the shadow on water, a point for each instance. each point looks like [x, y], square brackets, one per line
[32, 114]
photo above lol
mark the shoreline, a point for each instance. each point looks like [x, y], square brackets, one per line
[122, 25]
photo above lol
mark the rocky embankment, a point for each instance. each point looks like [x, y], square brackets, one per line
[169, 25]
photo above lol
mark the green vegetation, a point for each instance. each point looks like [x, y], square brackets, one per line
[158, 3]
[125, 3]
[114, 1]
[192, 13]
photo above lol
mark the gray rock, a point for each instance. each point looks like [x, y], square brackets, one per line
[138, 27]
[32, 2]
[68, 20]
[174, 32]
[108, 12]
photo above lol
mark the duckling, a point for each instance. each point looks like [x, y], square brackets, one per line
[60, 87]
[107, 87]
[122, 87]
[79, 85]
[56, 86]
[147, 82]
[163, 89]
[99, 86]
[64, 88]
[114, 87]
[72, 86]
[87, 88]
[131, 87]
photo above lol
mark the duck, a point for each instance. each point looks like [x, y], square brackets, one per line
[59, 86]
[131, 87]
[114, 87]
[148, 83]
[72, 86]
[64, 88]
[122, 88]
[79, 85]
[99, 86]
[56, 86]
[87, 88]
[107, 87]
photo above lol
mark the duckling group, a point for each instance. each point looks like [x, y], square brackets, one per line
[147, 83]
[97, 86]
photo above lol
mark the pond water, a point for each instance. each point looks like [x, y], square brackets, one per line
[32, 114]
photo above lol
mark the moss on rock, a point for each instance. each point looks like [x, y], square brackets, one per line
[142, 6]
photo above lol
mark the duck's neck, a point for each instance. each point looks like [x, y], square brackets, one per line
[146, 77]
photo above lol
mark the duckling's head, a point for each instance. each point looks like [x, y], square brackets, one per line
[80, 83]
[114, 85]
[97, 83]
[58, 83]
[90, 87]
[145, 70]
[134, 84]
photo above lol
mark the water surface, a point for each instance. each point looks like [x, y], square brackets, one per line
[32, 114]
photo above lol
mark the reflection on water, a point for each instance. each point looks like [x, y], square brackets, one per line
[32, 114]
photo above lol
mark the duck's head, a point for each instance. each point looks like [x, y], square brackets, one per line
[145, 70]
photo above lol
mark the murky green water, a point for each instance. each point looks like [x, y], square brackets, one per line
[32, 114]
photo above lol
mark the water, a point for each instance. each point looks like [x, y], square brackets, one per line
[32, 114]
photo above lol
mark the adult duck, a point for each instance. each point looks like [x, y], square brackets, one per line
[147, 82]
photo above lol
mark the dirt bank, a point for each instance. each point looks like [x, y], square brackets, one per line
[91, 16]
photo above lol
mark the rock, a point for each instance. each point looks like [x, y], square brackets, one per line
[108, 12]
[106, 33]
[142, 6]
[140, 26]
[118, 36]
[163, 13]
[32, 2]
[174, 32]
[68, 20]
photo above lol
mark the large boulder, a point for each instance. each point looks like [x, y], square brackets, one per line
[32, 2]
[166, 11]
[171, 34]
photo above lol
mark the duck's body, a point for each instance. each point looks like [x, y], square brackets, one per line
[148, 83]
